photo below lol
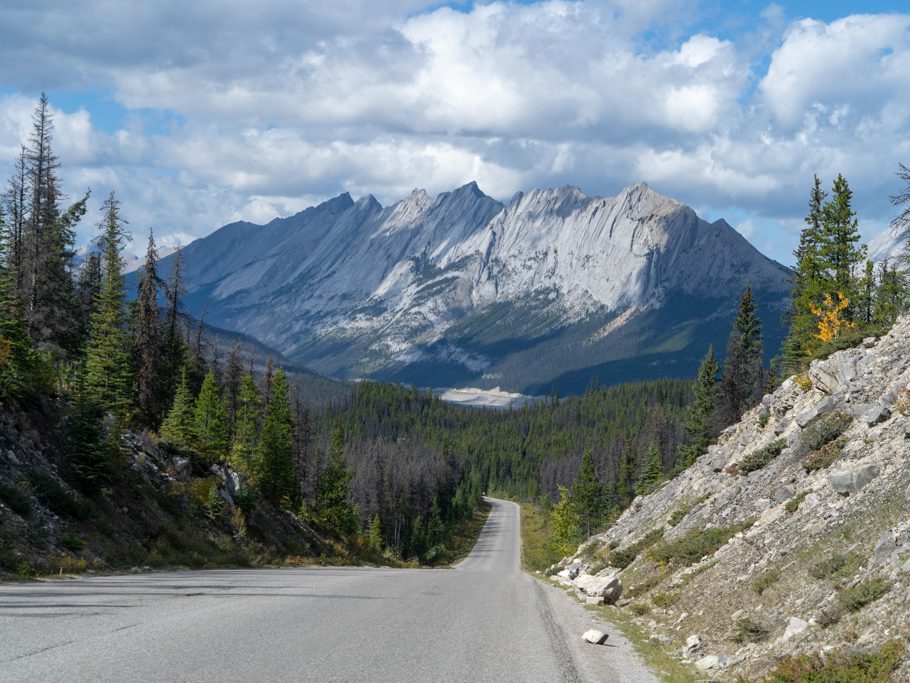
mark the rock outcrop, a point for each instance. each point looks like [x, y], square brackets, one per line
[810, 552]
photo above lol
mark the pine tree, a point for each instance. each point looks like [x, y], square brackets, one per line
[375, 535]
[865, 293]
[743, 377]
[17, 358]
[332, 488]
[625, 480]
[701, 418]
[88, 449]
[653, 474]
[174, 345]
[88, 287]
[233, 376]
[178, 427]
[245, 447]
[278, 482]
[209, 429]
[564, 524]
[107, 364]
[841, 255]
[147, 343]
[587, 495]
[808, 286]
[892, 295]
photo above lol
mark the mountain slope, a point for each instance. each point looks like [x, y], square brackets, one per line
[792, 534]
[545, 291]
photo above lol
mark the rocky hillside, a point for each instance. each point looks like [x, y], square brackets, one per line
[790, 536]
[157, 509]
[551, 289]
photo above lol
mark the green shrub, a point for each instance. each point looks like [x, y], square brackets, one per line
[824, 430]
[15, 499]
[758, 459]
[765, 581]
[623, 558]
[854, 599]
[824, 456]
[640, 608]
[679, 514]
[763, 420]
[873, 667]
[695, 545]
[748, 631]
[837, 566]
[645, 586]
[72, 542]
[49, 491]
[794, 503]
[664, 600]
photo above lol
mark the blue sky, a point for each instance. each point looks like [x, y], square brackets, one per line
[201, 113]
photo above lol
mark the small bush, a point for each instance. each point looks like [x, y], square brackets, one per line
[794, 503]
[758, 459]
[765, 581]
[679, 514]
[763, 420]
[802, 381]
[52, 494]
[15, 499]
[748, 631]
[72, 542]
[854, 599]
[640, 608]
[664, 600]
[623, 558]
[645, 586]
[824, 430]
[902, 404]
[873, 667]
[824, 457]
[695, 545]
[835, 567]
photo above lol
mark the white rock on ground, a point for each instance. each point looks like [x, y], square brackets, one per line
[594, 637]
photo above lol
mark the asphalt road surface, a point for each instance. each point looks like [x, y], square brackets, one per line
[485, 620]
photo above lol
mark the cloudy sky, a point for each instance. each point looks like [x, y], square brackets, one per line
[199, 113]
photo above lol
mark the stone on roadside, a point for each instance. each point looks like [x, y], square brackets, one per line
[711, 662]
[594, 637]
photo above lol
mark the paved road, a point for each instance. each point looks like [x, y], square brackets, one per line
[482, 621]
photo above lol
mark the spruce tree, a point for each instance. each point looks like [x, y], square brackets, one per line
[17, 358]
[564, 524]
[375, 534]
[178, 427]
[892, 295]
[147, 343]
[625, 480]
[809, 286]
[840, 252]
[233, 376]
[107, 361]
[245, 446]
[587, 495]
[701, 417]
[743, 377]
[332, 488]
[89, 451]
[653, 473]
[209, 429]
[278, 481]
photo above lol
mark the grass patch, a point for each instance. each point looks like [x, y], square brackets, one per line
[15, 499]
[680, 513]
[665, 600]
[765, 581]
[763, 420]
[854, 599]
[748, 631]
[824, 457]
[824, 430]
[872, 667]
[640, 608]
[756, 460]
[836, 567]
[695, 545]
[624, 557]
[794, 503]
[72, 542]
[644, 586]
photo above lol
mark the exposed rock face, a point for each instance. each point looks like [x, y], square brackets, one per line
[463, 289]
[827, 515]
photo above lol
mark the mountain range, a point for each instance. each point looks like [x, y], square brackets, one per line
[552, 290]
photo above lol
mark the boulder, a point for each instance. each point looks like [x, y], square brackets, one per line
[849, 481]
[819, 408]
[595, 602]
[711, 662]
[594, 637]
[606, 585]
[794, 627]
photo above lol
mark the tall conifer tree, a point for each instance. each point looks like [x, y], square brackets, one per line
[248, 418]
[107, 365]
[701, 419]
[743, 377]
[209, 425]
[147, 339]
[278, 482]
